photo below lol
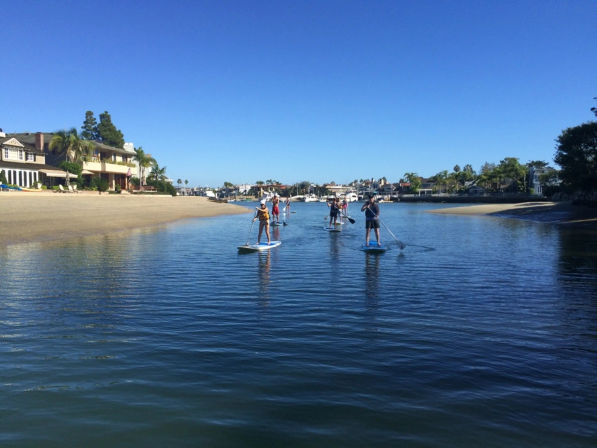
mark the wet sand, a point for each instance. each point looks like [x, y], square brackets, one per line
[33, 217]
[550, 212]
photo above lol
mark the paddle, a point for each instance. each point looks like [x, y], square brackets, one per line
[249, 235]
[350, 220]
[400, 243]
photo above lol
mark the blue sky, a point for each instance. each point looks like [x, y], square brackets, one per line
[323, 91]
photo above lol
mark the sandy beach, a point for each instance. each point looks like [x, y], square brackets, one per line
[45, 216]
[549, 212]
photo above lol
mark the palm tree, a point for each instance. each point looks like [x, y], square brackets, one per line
[144, 161]
[74, 149]
[157, 173]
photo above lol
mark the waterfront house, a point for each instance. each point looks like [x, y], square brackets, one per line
[23, 160]
[115, 165]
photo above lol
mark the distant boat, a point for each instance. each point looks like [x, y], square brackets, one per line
[351, 196]
[311, 198]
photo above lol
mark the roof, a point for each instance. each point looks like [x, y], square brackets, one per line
[28, 139]
[15, 140]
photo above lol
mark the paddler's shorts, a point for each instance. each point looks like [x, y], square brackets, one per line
[372, 224]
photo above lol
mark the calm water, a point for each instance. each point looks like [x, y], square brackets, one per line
[482, 332]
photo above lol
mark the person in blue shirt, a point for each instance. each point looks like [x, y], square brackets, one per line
[371, 209]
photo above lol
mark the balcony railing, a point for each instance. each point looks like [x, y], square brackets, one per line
[105, 167]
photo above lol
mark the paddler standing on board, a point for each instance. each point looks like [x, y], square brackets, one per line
[334, 206]
[276, 209]
[371, 210]
[263, 216]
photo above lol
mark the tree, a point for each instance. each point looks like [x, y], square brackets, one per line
[186, 182]
[157, 174]
[440, 179]
[538, 164]
[144, 162]
[107, 133]
[414, 180]
[179, 182]
[3, 179]
[74, 149]
[89, 128]
[576, 153]
[511, 169]
[304, 186]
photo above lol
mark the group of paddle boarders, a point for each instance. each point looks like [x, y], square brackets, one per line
[371, 209]
[336, 209]
[262, 215]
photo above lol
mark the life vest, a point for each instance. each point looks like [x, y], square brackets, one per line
[263, 214]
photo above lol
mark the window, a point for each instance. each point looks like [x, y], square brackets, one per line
[21, 155]
[30, 157]
[6, 153]
[113, 157]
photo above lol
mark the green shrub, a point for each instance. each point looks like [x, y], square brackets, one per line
[97, 183]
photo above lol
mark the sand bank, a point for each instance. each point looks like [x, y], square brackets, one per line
[32, 217]
[552, 212]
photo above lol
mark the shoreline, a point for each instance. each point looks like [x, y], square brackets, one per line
[42, 217]
[561, 213]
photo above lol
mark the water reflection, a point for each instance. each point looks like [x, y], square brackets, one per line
[372, 278]
[264, 268]
[578, 260]
[276, 233]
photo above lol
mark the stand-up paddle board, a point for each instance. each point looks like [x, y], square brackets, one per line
[373, 247]
[276, 224]
[333, 228]
[258, 247]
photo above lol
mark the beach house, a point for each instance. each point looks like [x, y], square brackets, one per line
[24, 157]
[23, 160]
[115, 165]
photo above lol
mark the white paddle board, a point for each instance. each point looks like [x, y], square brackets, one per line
[336, 228]
[258, 247]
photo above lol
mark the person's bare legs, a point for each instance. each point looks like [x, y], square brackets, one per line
[267, 233]
[260, 231]
[367, 231]
[377, 236]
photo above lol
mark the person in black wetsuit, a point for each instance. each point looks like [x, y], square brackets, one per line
[334, 206]
[371, 209]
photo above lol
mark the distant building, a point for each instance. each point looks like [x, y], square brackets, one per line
[535, 179]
